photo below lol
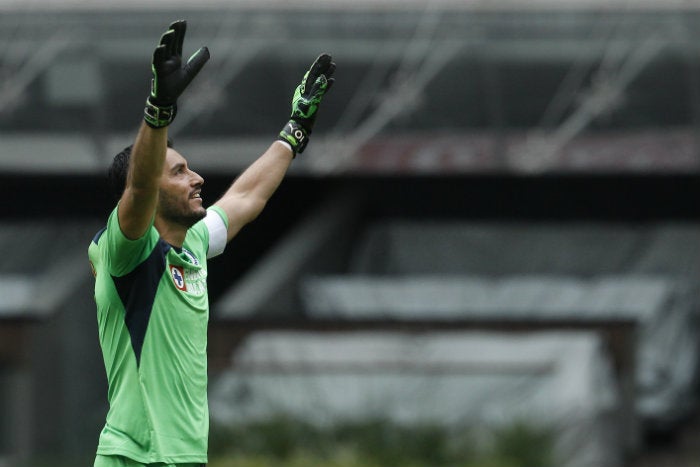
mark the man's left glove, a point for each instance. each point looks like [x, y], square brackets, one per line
[307, 97]
[170, 78]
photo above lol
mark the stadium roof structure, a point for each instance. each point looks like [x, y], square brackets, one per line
[472, 5]
[472, 86]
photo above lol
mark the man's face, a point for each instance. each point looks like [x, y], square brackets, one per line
[179, 198]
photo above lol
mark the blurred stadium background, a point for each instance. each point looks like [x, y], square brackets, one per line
[495, 225]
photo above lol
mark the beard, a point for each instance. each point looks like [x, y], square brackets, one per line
[173, 209]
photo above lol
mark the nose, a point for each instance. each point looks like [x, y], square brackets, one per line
[196, 178]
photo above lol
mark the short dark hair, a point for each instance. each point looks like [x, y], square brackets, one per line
[118, 170]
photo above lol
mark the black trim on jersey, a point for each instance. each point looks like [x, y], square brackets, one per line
[97, 236]
[137, 291]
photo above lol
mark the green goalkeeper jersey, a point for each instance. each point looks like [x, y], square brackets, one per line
[152, 313]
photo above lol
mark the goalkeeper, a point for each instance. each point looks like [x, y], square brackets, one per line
[150, 266]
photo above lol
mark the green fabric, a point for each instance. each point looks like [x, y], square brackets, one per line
[120, 461]
[158, 405]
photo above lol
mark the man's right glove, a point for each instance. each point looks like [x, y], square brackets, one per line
[307, 97]
[170, 78]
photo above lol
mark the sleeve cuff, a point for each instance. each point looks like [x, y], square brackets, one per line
[218, 233]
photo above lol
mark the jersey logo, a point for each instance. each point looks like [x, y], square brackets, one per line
[178, 276]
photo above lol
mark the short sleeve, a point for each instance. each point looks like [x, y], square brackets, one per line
[217, 226]
[122, 254]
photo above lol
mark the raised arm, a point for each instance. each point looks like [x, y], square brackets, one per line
[249, 193]
[137, 205]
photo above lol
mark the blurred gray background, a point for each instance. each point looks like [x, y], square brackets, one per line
[511, 183]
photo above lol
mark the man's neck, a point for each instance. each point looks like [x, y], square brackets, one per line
[172, 233]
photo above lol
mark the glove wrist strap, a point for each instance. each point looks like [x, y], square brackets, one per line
[158, 116]
[296, 135]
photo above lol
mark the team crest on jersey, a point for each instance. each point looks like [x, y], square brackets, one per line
[177, 274]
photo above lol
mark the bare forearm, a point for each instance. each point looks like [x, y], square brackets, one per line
[147, 158]
[138, 202]
[263, 176]
[249, 193]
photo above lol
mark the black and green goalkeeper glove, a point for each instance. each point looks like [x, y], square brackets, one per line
[307, 97]
[170, 78]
